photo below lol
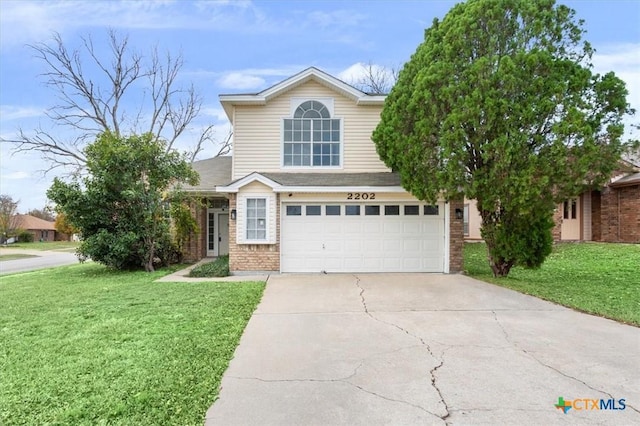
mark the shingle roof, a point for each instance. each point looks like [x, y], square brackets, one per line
[334, 179]
[633, 179]
[213, 172]
[29, 222]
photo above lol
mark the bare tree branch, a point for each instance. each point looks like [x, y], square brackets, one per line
[94, 92]
[207, 137]
[377, 80]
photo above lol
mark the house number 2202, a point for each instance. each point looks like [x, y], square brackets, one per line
[361, 196]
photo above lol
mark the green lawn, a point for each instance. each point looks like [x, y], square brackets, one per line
[598, 278]
[45, 245]
[82, 345]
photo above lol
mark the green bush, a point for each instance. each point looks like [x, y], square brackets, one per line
[217, 268]
[25, 237]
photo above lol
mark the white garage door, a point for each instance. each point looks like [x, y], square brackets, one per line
[362, 237]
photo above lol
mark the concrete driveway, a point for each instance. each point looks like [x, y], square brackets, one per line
[44, 259]
[412, 349]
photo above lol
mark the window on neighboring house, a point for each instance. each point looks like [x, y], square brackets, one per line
[570, 209]
[311, 137]
[256, 219]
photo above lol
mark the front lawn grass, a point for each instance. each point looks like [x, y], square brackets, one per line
[598, 278]
[84, 345]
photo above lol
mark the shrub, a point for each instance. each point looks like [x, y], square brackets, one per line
[217, 268]
[25, 237]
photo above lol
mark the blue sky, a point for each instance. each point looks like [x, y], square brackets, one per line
[245, 46]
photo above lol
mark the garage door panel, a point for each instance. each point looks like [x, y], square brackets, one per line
[362, 243]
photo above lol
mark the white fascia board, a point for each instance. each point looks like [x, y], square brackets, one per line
[371, 100]
[253, 177]
[334, 189]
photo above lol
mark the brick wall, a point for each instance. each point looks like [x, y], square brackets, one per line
[195, 247]
[620, 214]
[456, 237]
[557, 219]
[253, 257]
[596, 217]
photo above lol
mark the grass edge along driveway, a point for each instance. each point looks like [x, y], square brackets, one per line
[85, 345]
[596, 278]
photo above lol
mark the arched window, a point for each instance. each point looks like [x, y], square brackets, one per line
[311, 137]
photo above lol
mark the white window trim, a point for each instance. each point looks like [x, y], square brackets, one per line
[296, 102]
[329, 104]
[266, 220]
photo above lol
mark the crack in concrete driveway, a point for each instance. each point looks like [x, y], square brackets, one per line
[421, 349]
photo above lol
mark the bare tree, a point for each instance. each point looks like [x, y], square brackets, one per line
[94, 92]
[9, 220]
[223, 147]
[45, 213]
[376, 79]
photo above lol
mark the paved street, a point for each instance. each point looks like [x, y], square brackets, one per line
[44, 259]
[408, 349]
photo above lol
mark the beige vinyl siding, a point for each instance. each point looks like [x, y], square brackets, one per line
[258, 133]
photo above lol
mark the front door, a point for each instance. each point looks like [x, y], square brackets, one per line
[217, 233]
[570, 229]
[223, 233]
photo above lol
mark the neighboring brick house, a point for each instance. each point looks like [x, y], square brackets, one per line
[611, 214]
[615, 211]
[305, 190]
[42, 230]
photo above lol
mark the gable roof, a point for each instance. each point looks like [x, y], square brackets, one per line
[213, 172]
[311, 73]
[29, 222]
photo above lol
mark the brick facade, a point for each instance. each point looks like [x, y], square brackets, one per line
[619, 211]
[253, 257]
[195, 247]
[456, 237]
[596, 217]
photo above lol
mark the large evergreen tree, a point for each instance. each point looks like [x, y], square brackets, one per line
[500, 104]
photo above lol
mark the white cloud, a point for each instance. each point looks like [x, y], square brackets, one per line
[336, 18]
[624, 60]
[254, 78]
[216, 112]
[30, 21]
[359, 72]
[16, 175]
[240, 81]
[13, 112]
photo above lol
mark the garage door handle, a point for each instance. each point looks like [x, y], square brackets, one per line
[322, 246]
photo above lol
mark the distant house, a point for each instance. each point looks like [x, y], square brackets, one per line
[42, 230]
[609, 214]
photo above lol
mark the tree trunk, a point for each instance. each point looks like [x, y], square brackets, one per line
[498, 264]
[150, 255]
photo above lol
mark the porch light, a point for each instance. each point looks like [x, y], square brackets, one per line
[233, 214]
[459, 214]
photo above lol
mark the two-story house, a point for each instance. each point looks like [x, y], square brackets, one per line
[305, 190]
